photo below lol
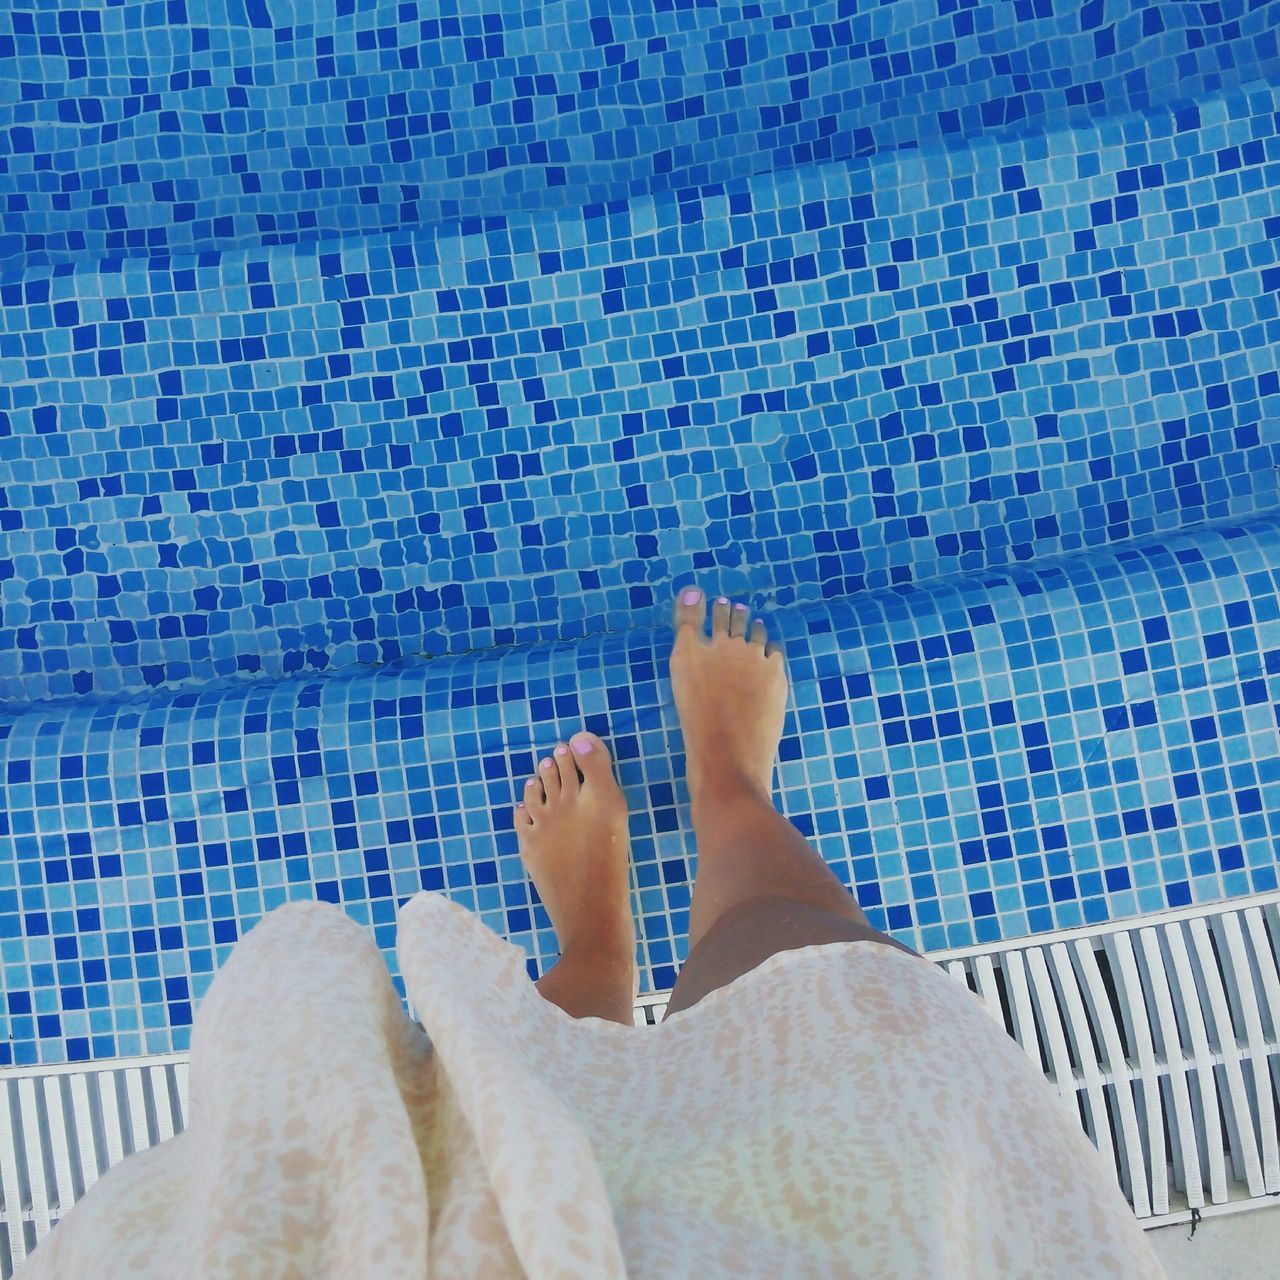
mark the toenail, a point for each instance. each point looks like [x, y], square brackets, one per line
[562, 751]
[519, 804]
[743, 607]
[693, 596]
[723, 600]
[546, 764]
[533, 782]
[582, 745]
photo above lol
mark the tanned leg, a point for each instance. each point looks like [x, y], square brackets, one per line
[760, 886]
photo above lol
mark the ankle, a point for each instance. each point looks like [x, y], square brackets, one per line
[587, 985]
[608, 950]
[726, 791]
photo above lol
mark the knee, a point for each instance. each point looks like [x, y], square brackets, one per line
[294, 956]
[302, 927]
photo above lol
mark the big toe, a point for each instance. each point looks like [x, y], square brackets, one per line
[592, 757]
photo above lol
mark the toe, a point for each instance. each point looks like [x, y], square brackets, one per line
[758, 633]
[522, 815]
[739, 616]
[720, 612]
[592, 757]
[550, 776]
[691, 610]
[567, 770]
[535, 798]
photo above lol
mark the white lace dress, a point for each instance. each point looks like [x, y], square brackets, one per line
[844, 1110]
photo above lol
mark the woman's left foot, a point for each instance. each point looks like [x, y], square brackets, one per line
[572, 828]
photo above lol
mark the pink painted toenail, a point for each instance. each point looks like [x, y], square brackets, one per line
[581, 745]
[546, 764]
[562, 751]
[692, 597]
[723, 600]
[519, 804]
[743, 607]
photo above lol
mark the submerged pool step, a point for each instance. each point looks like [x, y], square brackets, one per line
[1162, 1035]
[978, 759]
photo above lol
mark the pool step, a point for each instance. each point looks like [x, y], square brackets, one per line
[978, 759]
[1162, 1035]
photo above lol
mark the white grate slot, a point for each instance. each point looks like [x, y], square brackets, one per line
[1191, 1017]
[958, 970]
[984, 973]
[14, 1215]
[181, 1080]
[56, 1116]
[104, 1089]
[1241, 988]
[1267, 972]
[1046, 1004]
[1183, 1145]
[1024, 1020]
[158, 1079]
[137, 1109]
[33, 1151]
[1243, 1141]
[1132, 1152]
[86, 1150]
[1137, 1025]
[1076, 1021]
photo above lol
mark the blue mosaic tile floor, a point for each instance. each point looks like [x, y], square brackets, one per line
[328, 497]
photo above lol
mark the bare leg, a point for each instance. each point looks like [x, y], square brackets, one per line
[587, 985]
[572, 828]
[760, 886]
[748, 850]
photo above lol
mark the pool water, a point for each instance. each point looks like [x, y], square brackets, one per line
[369, 384]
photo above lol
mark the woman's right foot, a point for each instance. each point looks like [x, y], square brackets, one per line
[731, 694]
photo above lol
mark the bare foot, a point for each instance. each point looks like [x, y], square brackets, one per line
[731, 693]
[572, 829]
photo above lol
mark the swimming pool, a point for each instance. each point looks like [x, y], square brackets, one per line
[370, 383]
